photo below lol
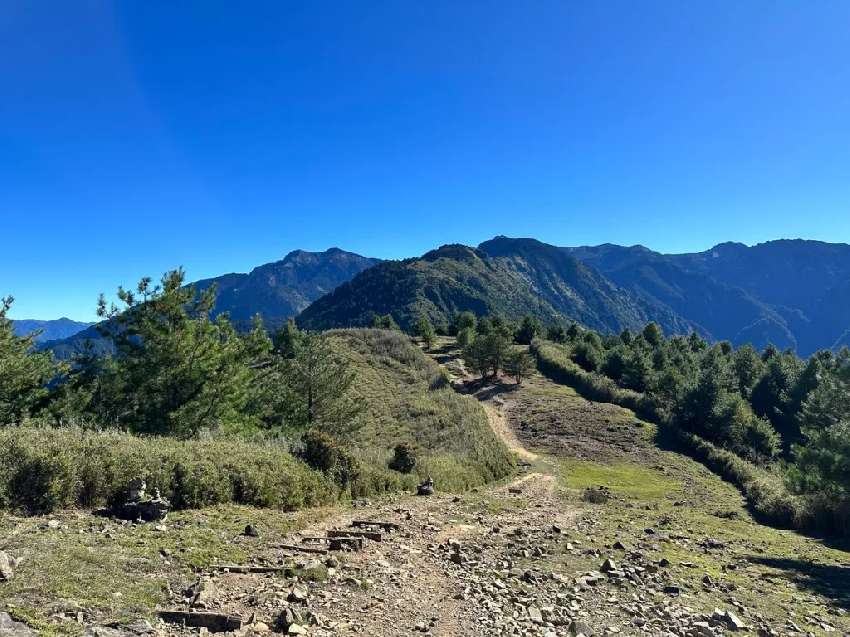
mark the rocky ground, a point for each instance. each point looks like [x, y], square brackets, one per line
[601, 533]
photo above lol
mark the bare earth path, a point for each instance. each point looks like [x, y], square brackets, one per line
[423, 578]
[669, 550]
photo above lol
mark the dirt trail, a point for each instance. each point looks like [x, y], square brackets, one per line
[499, 424]
[521, 559]
[409, 582]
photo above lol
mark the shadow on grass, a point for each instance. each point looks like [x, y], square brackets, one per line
[829, 580]
[488, 391]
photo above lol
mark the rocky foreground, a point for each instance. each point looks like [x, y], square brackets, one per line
[602, 534]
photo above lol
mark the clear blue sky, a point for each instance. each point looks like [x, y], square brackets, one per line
[218, 135]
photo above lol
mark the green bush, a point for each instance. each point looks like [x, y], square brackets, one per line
[323, 453]
[43, 470]
[43, 480]
[404, 460]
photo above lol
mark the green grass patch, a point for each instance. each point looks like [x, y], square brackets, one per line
[121, 572]
[629, 479]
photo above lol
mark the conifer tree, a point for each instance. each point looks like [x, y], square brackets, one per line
[24, 373]
[424, 329]
[319, 383]
[175, 370]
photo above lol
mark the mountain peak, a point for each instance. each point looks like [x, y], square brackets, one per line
[456, 251]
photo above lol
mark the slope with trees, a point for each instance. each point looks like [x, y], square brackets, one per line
[791, 293]
[504, 277]
[202, 411]
[276, 291]
[733, 408]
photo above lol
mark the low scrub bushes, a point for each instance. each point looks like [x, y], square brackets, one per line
[554, 362]
[766, 492]
[42, 470]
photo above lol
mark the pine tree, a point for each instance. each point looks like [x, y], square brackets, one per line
[175, 370]
[424, 329]
[518, 364]
[24, 373]
[464, 320]
[320, 382]
[529, 329]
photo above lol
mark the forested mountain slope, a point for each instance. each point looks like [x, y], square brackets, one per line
[276, 291]
[508, 277]
[791, 293]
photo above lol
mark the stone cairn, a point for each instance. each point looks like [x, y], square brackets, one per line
[140, 507]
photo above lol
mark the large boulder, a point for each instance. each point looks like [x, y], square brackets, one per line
[10, 628]
[7, 566]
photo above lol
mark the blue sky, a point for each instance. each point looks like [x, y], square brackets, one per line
[138, 136]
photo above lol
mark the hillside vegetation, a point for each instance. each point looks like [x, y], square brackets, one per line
[791, 293]
[742, 414]
[207, 415]
[504, 277]
[274, 291]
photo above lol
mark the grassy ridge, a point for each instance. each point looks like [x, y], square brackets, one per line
[406, 399]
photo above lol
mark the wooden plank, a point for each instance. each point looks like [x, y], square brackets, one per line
[213, 622]
[345, 543]
[238, 569]
[303, 549]
[375, 536]
[387, 526]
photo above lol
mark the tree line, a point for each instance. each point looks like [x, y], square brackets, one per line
[770, 407]
[175, 370]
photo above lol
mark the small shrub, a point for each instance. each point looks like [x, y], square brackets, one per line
[322, 452]
[404, 460]
[200, 483]
[596, 495]
[42, 482]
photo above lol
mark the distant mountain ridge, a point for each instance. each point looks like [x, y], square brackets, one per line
[792, 293]
[510, 277]
[48, 330]
[280, 290]
[276, 291]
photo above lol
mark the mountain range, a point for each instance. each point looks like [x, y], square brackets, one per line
[277, 291]
[511, 277]
[792, 293]
[48, 330]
